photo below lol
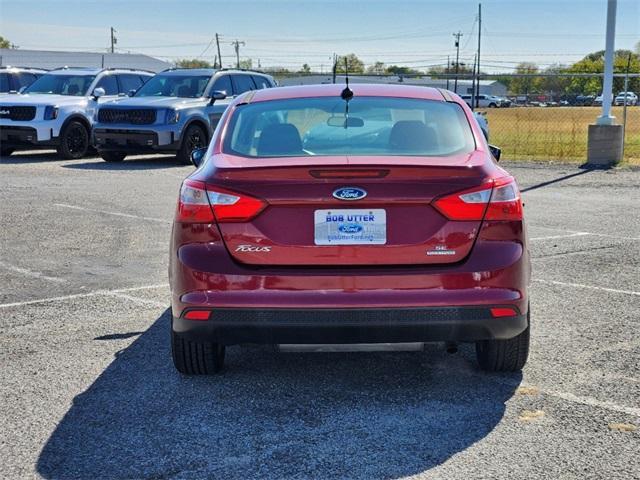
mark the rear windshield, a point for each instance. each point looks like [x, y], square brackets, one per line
[185, 86]
[384, 126]
[74, 85]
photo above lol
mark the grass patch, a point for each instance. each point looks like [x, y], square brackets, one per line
[555, 133]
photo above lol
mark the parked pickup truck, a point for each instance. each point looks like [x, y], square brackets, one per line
[176, 111]
[57, 109]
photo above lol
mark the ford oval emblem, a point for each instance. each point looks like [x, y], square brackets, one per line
[349, 193]
[350, 228]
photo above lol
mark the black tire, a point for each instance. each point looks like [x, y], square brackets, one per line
[194, 137]
[196, 358]
[74, 141]
[504, 355]
[492, 105]
[5, 152]
[112, 156]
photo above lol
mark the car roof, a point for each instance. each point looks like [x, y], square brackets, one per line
[95, 71]
[330, 90]
[12, 68]
[189, 71]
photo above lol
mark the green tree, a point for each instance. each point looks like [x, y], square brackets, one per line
[355, 64]
[377, 68]
[526, 85]
[246, 64]
[594, 63]
[397, 70]
[193, 63]
[305, 68]
[4, 43]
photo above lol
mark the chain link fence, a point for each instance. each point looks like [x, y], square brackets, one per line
[549, 124]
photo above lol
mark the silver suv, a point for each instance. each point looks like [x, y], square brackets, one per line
[15, 79]
[57, 109]
[176, 111]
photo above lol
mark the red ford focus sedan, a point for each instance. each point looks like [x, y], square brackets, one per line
[363, 217]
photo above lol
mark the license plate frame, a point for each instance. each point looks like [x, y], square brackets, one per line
[350, 226]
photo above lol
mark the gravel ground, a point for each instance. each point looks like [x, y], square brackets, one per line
[88, 389]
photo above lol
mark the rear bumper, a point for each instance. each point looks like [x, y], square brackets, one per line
[312, 326]
[135, 140]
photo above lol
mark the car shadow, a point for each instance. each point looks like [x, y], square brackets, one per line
[130, 163]
[41, 156]
[559, 179]
[375, 415]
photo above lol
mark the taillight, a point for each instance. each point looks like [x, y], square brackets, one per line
[499, 198]
[201, 203]
[505, 201]
[232, 206]
[503, 312]
[193, 204]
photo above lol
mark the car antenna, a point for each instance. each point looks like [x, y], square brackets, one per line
[347, 93]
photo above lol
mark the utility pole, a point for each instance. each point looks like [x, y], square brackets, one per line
[218, 45]
[335, 67]
[457, 45]
[447, 71]
[114, 40]
[473, 82]
[236, 46]
[475, 96]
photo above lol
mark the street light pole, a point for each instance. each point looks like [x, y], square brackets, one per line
[607, 88]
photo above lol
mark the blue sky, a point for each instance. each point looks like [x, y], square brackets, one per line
[288, 33]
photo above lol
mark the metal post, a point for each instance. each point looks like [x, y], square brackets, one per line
[607, 89]
[624, 108]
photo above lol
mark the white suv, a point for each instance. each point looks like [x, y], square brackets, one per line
[632, 99]
[57, 110]
[484, 101]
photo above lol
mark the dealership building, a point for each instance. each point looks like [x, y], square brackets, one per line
[55, 59]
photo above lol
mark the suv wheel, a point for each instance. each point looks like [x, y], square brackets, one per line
[196, 358]
[74, 141]
[194, 137]
[112, 156]
[492, 105]
[5, 152]
[504, 355]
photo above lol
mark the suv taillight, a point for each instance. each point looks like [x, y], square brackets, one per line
[201, 203]
[495, 200]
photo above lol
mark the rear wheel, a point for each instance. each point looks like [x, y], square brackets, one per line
[112, 156]
[492, 105]
[74, 141]
[196, 358]
[5, 152]
[504, 355]
[194, 137]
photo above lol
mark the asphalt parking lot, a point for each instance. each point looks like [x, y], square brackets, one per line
[88, 389]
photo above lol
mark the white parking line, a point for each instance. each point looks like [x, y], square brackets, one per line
[569, 235]
[30, 273]
[117, 214]
[82, 295]
[590, 287]
[607, 235]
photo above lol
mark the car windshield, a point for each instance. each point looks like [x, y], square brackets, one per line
[185, 86]
[74, 85]
[382, 126]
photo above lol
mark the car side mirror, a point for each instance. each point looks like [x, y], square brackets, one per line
[197, 156]
[132, 92]
[216, 95]
[98, 92]
[495, 151]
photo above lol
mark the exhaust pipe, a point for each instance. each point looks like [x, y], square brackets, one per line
[451, 347]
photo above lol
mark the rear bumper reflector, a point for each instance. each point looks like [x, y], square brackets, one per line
[197, 315]
[503, 312]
